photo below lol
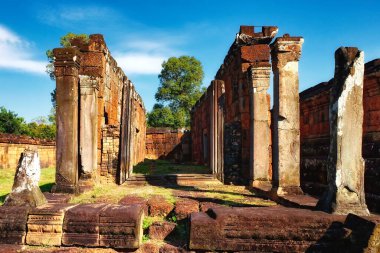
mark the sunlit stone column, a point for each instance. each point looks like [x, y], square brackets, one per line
[67, 62]
[88, 132]
[345, 193]
[286, 52]
[259, 76]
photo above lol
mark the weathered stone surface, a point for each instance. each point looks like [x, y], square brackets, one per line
[286, 52]
[266, 229]
[66, 66]
[11, 147]
[81, 225]
[25, 189]
[149, 248]
[160, 230]
[13, 224]
[45, 224]
[121, 226]
[205, 206]
[159, 206]
[345, 191]
[260, 125]
[184, 207]
[94, 225]
[167, 248]
[135, 200]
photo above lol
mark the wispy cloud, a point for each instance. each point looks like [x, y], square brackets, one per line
[14, 53]
[144, 55]
[63, 16]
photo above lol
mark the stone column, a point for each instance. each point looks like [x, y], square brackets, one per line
[286, 52]
[345, 192]
[259, 75]
[88, 133]
[67, 62]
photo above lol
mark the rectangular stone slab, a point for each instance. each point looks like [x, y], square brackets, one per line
[13, 224]
[81, 225]
[121, 226]
[45, 224]
[265, 229]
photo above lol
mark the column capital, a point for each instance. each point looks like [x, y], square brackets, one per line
[259, 74]
[286, 49]
[66, 61]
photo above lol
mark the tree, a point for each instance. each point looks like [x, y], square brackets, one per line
[180, 87]
[11, 123]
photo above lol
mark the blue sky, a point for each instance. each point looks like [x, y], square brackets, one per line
[141, 34]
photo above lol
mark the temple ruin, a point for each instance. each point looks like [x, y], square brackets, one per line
[314, 154]
[100, 117]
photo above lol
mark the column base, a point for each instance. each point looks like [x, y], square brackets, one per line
[288, 190]
[85, 185]
[58, 188]
[261, 184]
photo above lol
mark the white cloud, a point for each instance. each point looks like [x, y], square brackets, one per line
[140, 63]
[14, 53]
[137, 55]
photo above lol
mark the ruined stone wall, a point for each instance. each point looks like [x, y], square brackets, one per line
[200, 130]
[11, 147]
[111, 115]
[315, 136]
[250, 49]
[167, 143]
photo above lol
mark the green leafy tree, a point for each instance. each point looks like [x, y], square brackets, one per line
[11, 123]
[163, 116]
[180, 87]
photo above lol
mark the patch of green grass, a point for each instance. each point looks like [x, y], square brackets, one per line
[7, 177]
[110, 193]
[163, 167]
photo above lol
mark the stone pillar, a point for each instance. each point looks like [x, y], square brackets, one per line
[67, 62]
[286, 52]
[345, 192]
[217, 128]
[259, 75]
[88, 133]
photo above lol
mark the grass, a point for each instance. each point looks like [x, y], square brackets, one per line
[110, 193]
[162, 167]
[7, 176]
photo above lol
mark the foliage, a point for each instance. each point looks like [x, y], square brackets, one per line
[180, 88]
[65, 41]
[11, 123]
[163, 116]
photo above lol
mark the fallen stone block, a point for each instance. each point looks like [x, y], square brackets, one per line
[159, 206]
[45, 224]
[135, 200]
[184, 207]
[13, 224]
[160, 230]
[121, 226]
[81, 225]
[266, 229]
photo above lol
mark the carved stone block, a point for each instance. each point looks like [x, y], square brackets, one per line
[13, 224]
[45, 224]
